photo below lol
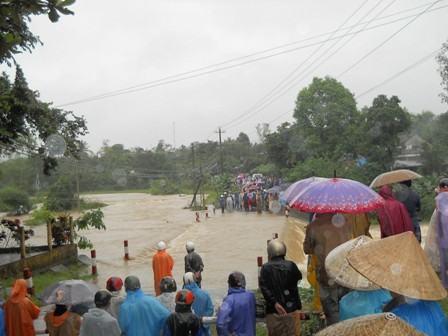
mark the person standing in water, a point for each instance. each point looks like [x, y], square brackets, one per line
[162, 265]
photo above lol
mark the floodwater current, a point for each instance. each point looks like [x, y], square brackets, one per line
[226, 242]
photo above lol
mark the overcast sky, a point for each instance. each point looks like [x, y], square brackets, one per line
[110, 45]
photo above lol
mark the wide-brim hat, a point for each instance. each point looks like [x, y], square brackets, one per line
[399, 264]
[377, 324]
[339, 269]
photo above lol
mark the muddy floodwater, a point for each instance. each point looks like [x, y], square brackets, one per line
[226, 242]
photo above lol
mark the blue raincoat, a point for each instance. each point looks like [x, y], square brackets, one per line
[202, 304]
[2, 323]
[237, 314]
[141, 315]
[425, 316]
[360, 303]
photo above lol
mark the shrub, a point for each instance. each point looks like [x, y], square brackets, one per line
[12, 198]
[61, 195]
[40, 216]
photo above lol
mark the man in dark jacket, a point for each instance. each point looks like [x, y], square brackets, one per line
[193, 262]
[237, 313]
[183, 322]
[278, 284]
[411, 201]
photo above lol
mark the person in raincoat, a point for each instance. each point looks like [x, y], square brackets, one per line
[411, 201]
[140, 315]
[425, 316]
[278, 284]
[20, 311]
[97, 321]
[236, 316]
[114, 286]
[193, 262]
[222, 203]
[162, 265]
[183, 322]
[442, 229]
[202, 305]
[168, 288]
[62, 322]
[321, 237]
[393, 216]
[2, 321]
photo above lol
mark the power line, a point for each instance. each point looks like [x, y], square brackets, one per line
[401, 72]
[302, 75]
[389, 79]
[272, 91]
[388, 39]
[366, 55]
[191, 74]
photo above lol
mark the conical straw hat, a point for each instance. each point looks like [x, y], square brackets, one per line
[399, 264]
[339, 269]
[386, 324]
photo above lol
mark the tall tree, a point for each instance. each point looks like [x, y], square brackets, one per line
[442, 58]
[15, 36]
[384, 121]
[26, 122]
[326, 114]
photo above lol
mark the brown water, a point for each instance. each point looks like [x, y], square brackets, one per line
[226, 242]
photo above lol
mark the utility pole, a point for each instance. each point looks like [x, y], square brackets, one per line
[193, 173]
[174, 135]
[221, 161]
[78, 198]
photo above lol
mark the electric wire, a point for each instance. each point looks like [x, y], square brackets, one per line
[174, 78]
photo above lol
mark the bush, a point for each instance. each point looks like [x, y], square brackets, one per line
[12, 198]
[169, 187]
[40, 216]
[61, 195]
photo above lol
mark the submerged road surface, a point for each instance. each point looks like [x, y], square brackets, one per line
[226, 242]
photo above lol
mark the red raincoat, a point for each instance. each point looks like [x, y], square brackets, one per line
[20, 312]
[393, 216]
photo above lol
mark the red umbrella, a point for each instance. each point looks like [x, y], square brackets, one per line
[337, 195]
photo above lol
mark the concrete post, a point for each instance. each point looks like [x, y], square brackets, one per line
[93, 258]
[126, 250]
[72, 231]
[22, 241]
[49, 236]
[28, 276]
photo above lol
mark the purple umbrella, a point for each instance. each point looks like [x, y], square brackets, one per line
[295, 188]
[337, 195]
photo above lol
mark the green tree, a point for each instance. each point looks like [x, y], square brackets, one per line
[277, 145]
[61, 196]
[384, 121]
[26, 122]
[435, 151]
[326, 113]
[12, 199]
[15, 15]
[442, 58]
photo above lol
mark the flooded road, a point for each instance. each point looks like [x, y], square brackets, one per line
[226, 242]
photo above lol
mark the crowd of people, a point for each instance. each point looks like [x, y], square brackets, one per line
[355, 276]
[330, 237]
[170, 312]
